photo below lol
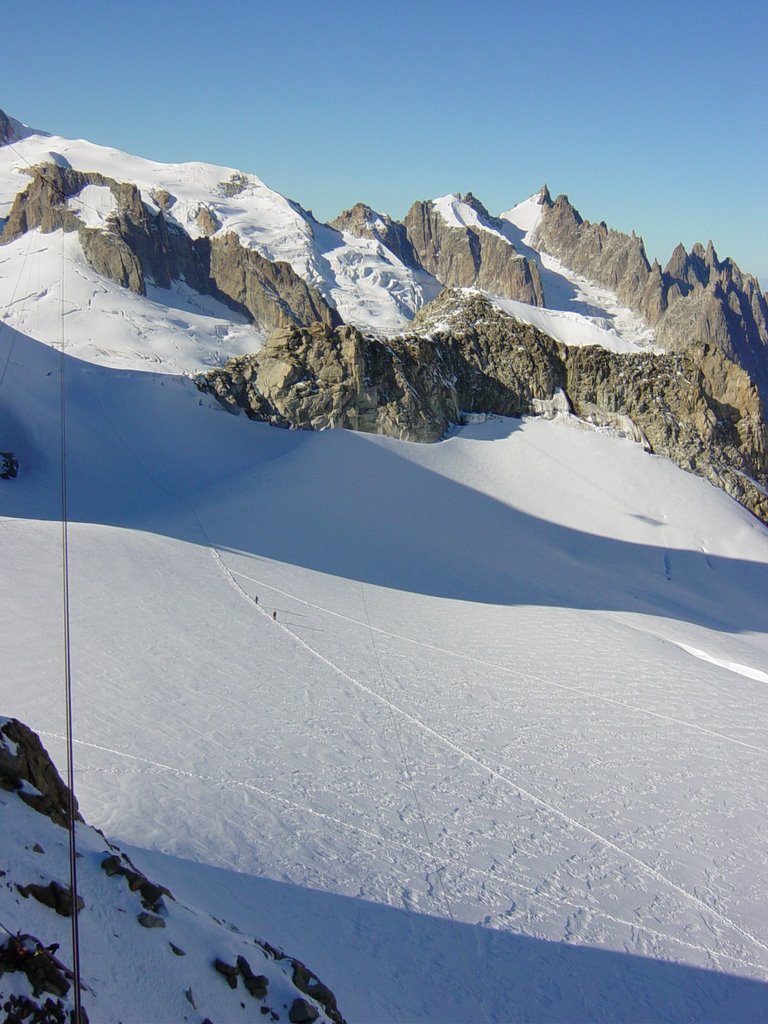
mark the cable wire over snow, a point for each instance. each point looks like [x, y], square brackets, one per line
[71, 814]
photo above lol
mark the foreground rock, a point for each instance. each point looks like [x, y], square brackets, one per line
[697, 407]
[27, 770]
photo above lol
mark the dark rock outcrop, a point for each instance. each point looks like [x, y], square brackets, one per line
[26, 769]
[137, 246]
[229, 971]
[9, 465]
[54, 895]
[302, 1012]
[310, 984]
[151, 894]
[6, 128]
[697, 407]
[470, 257]
[256, 985]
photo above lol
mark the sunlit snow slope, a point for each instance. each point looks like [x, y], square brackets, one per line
[506, 731]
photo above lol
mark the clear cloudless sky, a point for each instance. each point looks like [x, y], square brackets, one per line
[649, 115]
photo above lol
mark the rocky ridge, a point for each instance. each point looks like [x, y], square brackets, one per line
[696, 407]
[136, 245]
[150, 930]
[457, 256]
[697, 299]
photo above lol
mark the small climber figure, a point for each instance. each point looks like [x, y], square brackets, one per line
[255, 598]
[274, 616]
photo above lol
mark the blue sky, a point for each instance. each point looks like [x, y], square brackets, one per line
[651, 116]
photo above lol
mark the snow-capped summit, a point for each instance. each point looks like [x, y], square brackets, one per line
[370, 286]
[526, 216]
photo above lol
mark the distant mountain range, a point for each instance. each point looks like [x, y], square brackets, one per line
[225, 234]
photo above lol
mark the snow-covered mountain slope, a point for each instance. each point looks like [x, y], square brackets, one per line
[363, 278]
[367, 283]
[594, 315]
[475, 729]
[506, 730]
[458, 213]
[146, 955]
[176, 330]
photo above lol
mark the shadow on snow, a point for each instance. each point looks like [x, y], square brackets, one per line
[143, 455]
[401, 965]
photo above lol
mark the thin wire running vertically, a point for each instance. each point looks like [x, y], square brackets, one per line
[71, 815]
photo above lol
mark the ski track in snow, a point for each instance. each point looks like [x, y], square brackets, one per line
[541, 679]
[494, 773]
[532, 894]
[511, 783]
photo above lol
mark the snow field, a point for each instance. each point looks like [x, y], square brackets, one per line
[516, 740]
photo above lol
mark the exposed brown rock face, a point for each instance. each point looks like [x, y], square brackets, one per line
[25, 763]
[412, 387]
[607, 257]
[468, 257]
[136, 246]
[696, 407]
[697, 299]
[272, 293]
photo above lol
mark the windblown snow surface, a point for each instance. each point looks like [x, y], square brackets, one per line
[501, 754]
